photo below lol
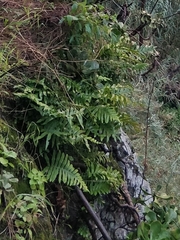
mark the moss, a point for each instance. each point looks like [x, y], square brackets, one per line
[43, 229]
[23, 186]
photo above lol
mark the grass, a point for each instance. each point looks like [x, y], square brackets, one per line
[163, 143]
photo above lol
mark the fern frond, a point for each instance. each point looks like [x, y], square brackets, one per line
[99, 187]
[61, 169]
[102, 180]
[104, 114]
[102, 158]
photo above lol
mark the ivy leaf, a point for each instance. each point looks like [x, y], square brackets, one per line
[11, 154]
[158, 232]
[170, 216]
[151, 216]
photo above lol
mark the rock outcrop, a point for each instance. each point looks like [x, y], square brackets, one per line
[120, 214]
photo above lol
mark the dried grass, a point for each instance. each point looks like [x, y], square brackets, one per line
[32, 29]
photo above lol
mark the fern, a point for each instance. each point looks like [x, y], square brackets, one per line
[61, 169]
[82, 103]
[104, 114]
[99, 187]
[102, 180]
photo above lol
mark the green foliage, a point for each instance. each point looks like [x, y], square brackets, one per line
[6, 180]
[161, 223]
[37, 180]
[72, 114]
[61, 168]
[78, 97]
[26, 209]
[171, 120]
[77, 123]
[98, 43]
[84, 232]
[102, 180]
[6, 156]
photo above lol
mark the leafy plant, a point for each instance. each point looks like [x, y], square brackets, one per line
[102, 180]
[6, 155]
[71, 114]
[61, 168]
[84, 232]
[26, 210]
[6, 180]
[37, 180]
[161, 223]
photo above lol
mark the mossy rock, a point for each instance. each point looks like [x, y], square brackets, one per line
[43, 228]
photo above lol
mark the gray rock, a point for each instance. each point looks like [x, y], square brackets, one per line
[123, 217]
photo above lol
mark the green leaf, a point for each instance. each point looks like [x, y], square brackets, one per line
[13, 180]
[49, 136]
[87, 28]
[7, 186]
[170, 215]
[90, 66]
[158, 188]
[143, 231]
[74, 7]
[61, 168]
[11, 154]
[70, 19]
[151, 216]
[155, 229]
[4, 161]
[30, 233]
[164, 196]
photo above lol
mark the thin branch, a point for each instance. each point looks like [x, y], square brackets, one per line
[154, 65]
[128, 199]
[147, 128]
[178, 12]
[154, 6]
[142, 4]
[138, 29]
[132, 208]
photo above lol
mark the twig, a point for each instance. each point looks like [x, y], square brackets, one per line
[178, 12]
[138, 29]
[147, 128]
[137, 218]
[130, 204]
[154, 64]
[154, 6]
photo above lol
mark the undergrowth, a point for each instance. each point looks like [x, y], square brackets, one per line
[70, 73]
[163, 139]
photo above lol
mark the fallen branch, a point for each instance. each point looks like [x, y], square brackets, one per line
[92, 213]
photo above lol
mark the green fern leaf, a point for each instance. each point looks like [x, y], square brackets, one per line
[102, 180]
[62, 170]
[99, 187]
[104, 114]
